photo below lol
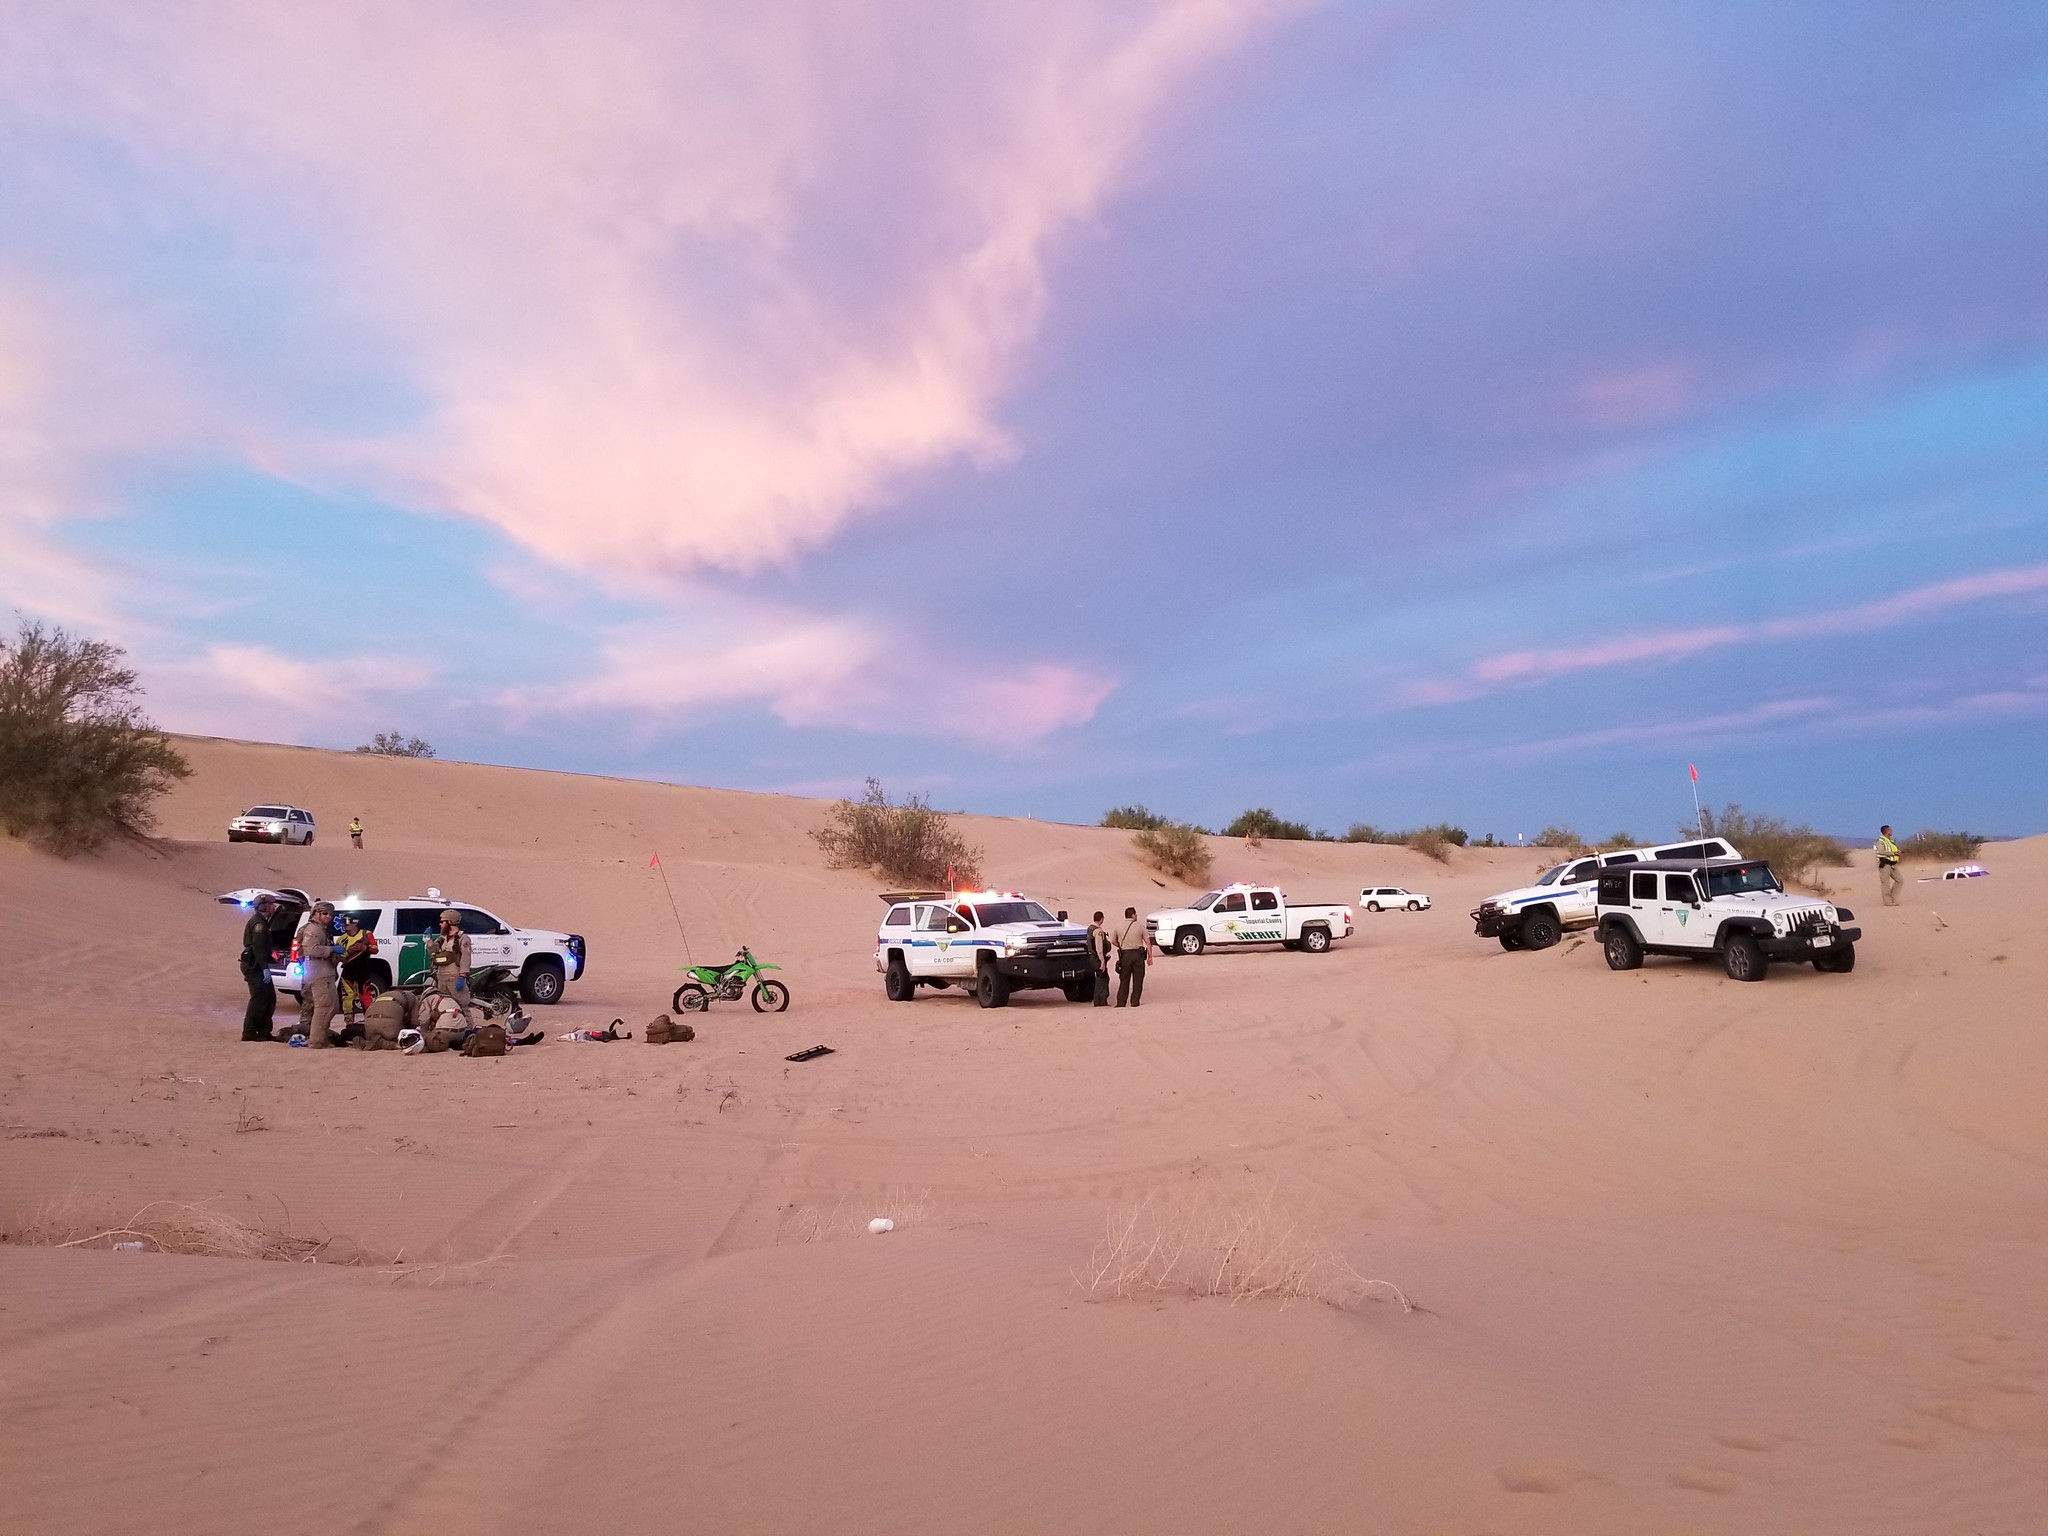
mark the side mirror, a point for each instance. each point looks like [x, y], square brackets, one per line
[504, 932]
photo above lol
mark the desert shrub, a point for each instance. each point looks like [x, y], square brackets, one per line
[1262, 823]
[1239, 1241]
[1930, 844]
[79, 761]
[1488, 841]
[910, 843]
[1559, 837]
[173, 1226]
[1441, 832]
[391, 744]
[1793, 852]
[1430, 846]
[1366, 832]
[1615, 840]
[1174, 849]
[1433, 842]
[1133, 818]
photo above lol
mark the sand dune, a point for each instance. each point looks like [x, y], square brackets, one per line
[1690, 1255]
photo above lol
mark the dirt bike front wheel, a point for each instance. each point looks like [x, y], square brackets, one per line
[690, 998]
[770, 997]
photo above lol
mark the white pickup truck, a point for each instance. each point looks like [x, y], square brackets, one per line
[1248, 914]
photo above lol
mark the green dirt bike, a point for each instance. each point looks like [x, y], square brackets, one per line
[724, 983]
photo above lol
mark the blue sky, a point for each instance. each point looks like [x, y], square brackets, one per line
[1382, 412]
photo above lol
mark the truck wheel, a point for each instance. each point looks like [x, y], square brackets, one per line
[543, 981]
[1188, 941]
[1511, 939]
[1372, 906]
[992, 988]
[1840, 961]
[897, 981]
[1315, 940]
[1623, 952]
[1540, 930]
[1744, 958]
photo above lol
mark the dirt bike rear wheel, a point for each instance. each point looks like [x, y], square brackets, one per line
[770, 997]
[690, 998]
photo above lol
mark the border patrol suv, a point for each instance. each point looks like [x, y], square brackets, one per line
[1537, 916]
[991, 943]
[544, 962]
[1731, 907]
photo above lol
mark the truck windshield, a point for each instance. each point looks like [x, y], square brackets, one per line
[1204, 904]
[1741, 877]
[994, 912]
[1550, 876]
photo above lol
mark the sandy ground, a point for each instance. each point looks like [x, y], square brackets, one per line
[1692, 1256]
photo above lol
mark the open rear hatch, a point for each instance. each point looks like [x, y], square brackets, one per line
[291, 908]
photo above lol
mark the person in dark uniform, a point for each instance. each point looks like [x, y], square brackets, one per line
[256, 1019]
[1099, 951]
[1131, 951]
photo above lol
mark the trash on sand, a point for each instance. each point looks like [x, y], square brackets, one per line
[880, 1225]
[131, 1247]
[811, 1054]
[611, 1031]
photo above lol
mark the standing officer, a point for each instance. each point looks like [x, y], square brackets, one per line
[318, 954]
[1131, 946]
[256, 1018]
[1099, 949]
[449, 953]
[1889, 880]
[355, 830]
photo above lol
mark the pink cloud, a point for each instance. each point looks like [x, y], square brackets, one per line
[680, 285]
[842, 673]
[1509, 668]
[1637, 397]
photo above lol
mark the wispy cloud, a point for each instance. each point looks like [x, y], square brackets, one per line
[258, 691]
[838, 672]
[1511, 668]
[677, 286]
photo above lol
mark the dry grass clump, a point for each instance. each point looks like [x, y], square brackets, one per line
[1793, 852]
[850, 1215]
[1930, 844]
[1430, 846]
[1175, 849]
[174, 1226]
[910, 843]
[1238, 1241]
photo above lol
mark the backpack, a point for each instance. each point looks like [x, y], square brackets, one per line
[488, 1040]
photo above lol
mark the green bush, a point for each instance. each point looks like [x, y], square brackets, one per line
[1930, 844]
[391, 744]
[79, 761]
[1430, 846]
[1133, 818]
[1615, 840]
[1175, 849]
[1559, 837]
[1366, 832]
[1793, 852]
[909, 844]
[1262, 823]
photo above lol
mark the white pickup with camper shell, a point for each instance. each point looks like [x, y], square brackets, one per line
[1537, 916]
[1248, 914]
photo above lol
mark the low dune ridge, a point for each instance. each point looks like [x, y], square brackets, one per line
[1685, 1254]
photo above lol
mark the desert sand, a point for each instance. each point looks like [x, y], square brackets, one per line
[1687, 1255]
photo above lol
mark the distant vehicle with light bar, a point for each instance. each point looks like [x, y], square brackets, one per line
[1243, 914]
[272, 824]
[990, 943]
[542, 961]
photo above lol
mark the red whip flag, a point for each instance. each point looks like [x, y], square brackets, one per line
[1694, 772]
[655, 862]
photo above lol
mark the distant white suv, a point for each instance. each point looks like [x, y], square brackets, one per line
[545, 962]
[1734, 908]
[990, 943]
[1537, 916]
[272, 824]
[1391, 898]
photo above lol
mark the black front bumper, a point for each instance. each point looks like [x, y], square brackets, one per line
[1045, 970]
[1490, 922]
[1801, 946]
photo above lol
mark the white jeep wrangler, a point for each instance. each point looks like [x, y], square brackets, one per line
[1734, 908]
[1537, 916]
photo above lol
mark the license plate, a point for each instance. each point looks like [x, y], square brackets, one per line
[1823, 940]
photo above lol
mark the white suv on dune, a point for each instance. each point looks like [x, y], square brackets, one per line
[1734, 908]
[1391, 898]
[272, 824]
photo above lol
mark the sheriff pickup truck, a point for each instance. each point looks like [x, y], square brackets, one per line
[1248, 914]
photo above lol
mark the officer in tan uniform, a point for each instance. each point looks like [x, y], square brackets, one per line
[449, 954]
[1889, 881]
[319, 955]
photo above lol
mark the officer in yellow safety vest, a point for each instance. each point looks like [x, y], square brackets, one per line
[1889, 880]
[355, 830]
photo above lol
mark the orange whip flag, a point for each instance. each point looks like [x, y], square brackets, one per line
[655, 862]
